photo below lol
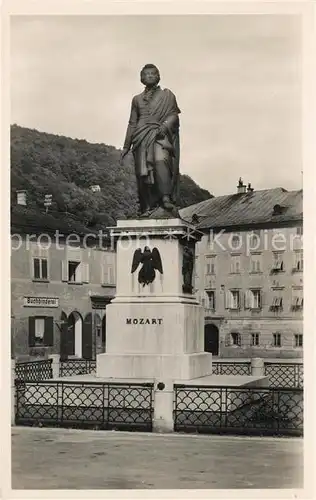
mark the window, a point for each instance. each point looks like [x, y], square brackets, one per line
[235, 264]
[210, 265]
[74, 271]
[236, 241]
[277, 262]
[73, 274]
[299, 230]
[298, 261]
[255, 263]
[297, 303]
[277, 339]
[236, 338]
[233, 299]
[41, 331]
[277, 303]
[211, 299]
[40, 268]
[255, 339]
[108, 274]
[253, 299]
[298, 340]
[254, 240]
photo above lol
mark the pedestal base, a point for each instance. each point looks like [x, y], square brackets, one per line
[158, 366]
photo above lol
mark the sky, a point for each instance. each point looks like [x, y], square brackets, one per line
[237, 80]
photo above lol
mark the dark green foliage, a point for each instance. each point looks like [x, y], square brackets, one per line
[44, 163]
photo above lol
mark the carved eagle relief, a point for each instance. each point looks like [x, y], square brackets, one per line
[150, 260]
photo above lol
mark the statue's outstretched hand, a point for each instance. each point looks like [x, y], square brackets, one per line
[123, 154]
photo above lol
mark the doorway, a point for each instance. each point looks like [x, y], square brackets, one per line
[211, 339]
[74, 335]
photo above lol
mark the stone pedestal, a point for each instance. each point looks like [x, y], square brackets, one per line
[154, 331]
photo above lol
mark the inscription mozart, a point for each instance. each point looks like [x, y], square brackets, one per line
[144, 321]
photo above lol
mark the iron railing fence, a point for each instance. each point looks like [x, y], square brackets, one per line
[285, 374]
[70, 367]
[96, 405]
[245, 410]
[33, 371]
[231, 368]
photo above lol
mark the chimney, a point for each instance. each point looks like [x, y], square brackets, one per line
[241, 187]
[249, 188]
[21, 198]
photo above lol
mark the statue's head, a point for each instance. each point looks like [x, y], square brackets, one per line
[149, 75]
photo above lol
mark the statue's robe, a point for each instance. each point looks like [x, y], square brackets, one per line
[156, 160]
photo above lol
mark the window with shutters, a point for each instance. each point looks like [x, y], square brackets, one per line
[41, 331]
[297, 302]
[277, 303]
[255, 263]
[277, 264]
[233, 299]
[235, 264]
[253, 299]
[235, 338]
[211, 299]
[73, 272]
[298, 261]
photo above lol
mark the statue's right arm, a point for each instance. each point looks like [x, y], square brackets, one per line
[132, 122]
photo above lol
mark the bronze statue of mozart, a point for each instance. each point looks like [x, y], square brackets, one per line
[153, 137]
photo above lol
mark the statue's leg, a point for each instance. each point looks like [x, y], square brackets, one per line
[162, 175]
[142, 186]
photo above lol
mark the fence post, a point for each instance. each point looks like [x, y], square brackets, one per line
[257, 367]
[163, 406]
[55, 364]
[13, 391]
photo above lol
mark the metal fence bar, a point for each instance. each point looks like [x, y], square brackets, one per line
[238, 410]
[34, 370]
[70, 367]
[281, 374]
[85, 404]
[231, 368]
[284, 374]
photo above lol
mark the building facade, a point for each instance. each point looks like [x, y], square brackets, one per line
[249, 273]
[59, 293]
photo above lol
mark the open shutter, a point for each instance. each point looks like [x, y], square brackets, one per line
[111, 274]
[248, 299]
[64, 270]
[49, 331]
[31, 331]
[241, 299]
[85, 272]
[227, 299]
[102, 274]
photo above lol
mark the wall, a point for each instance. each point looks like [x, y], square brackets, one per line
[244, 320]
[72, 297]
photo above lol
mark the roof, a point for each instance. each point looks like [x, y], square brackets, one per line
[27, 220]
[249, 208]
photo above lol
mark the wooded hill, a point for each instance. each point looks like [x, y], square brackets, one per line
[66, 168]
